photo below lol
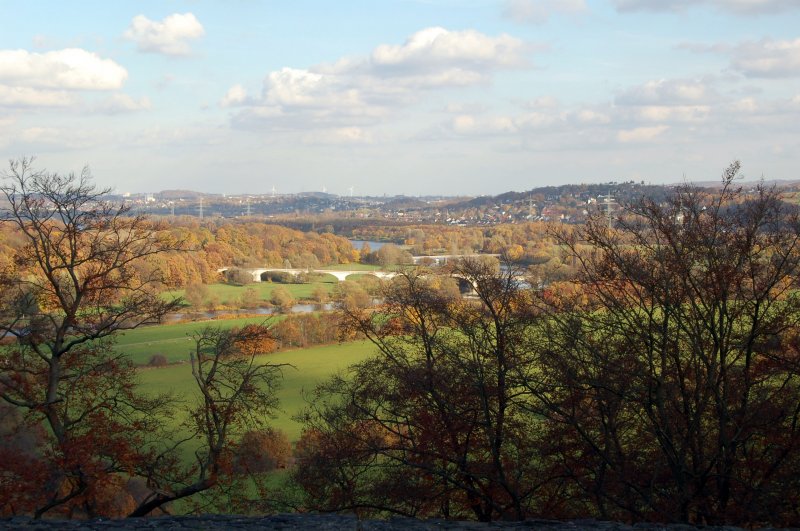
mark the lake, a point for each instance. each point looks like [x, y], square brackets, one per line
[373, 245]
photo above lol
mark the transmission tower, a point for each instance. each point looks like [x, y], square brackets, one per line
[200, 208]
[248, 207]
[610, 203]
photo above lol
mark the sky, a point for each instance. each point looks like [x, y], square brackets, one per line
[415, 97]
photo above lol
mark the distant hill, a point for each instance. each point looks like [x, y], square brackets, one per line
[778, 183]
[180, 194]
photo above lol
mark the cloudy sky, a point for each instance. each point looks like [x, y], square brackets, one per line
[400, 96]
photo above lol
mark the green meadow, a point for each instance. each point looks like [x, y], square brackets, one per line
[309, 367]
[172, 340]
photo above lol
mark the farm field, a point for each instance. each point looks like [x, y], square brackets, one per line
[311, 366]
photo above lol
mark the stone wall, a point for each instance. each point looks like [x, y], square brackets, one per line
[330, 522]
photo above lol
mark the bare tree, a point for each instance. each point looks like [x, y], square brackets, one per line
[671, 380]
[433, 425]
[73, 285]
[237, 394]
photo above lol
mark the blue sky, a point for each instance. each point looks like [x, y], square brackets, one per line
[456, 97]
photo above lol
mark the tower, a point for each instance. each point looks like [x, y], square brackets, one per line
[609, 201]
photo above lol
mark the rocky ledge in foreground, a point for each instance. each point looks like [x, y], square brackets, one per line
[330, 522]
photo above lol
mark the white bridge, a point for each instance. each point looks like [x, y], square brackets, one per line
[339, 274]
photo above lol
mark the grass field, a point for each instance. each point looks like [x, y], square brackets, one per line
[172, 340]
[230, 295]
[311, 366]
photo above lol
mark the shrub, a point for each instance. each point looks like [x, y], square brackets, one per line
[261, 451]
[158, 360]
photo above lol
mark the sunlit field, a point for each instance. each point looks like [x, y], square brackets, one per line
[309, 367]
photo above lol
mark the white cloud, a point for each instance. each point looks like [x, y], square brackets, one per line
[741, 7]
[590, 117]
[675, 113]
[544, 102]
[666, 100]
[236, 95]
[665, 92]
[466, 124]
[303, 88]
[536, 120]
[30, 97]
[464, 108]
[539, 11]
[744, 105]
[56, 137]
[468, 50]
[767, 58]
[122, 103]
[640, 134]
[339, 136]
[169, 36]
[7, 130]
[355, 92]
[71, 68]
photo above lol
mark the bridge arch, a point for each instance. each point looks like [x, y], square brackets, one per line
[277, 276]
[262, 273]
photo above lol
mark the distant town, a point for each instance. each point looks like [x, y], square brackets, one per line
[566, 203]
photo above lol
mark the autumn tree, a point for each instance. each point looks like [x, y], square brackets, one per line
[671, 379]
[390, 255]
[304, 329]
[73, 285]
[238, 276]
[282, 298]
[261, 451]
[196, 294]
[320, 294]
[237, 395]
[250, 298]
[364, 253]
[351, 294]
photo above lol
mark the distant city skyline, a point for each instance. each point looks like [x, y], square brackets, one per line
[415, 97]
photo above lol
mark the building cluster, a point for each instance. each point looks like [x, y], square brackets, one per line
[567, 204]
